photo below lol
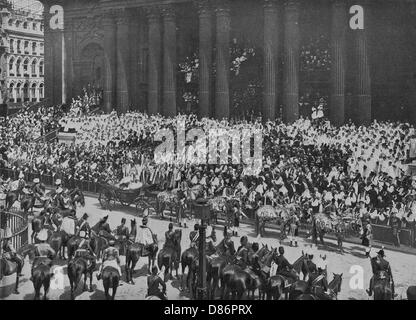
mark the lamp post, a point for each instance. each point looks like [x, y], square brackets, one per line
[202, 211]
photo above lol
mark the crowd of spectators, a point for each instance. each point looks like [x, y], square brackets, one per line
[359, 170]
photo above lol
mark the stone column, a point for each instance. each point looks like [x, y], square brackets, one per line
[362, 110]
[69, 38]
[123, 49]
[205, 57]
[154, 60]
[339, 23]
[133, 70]
[222, 90]
[169, 61]
[110, 52]
[291, 61]
[270, 49]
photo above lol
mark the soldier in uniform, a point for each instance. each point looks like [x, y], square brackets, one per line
[153, 282]
[194, 236]
[122, 234]
[318, 279]
[145, 235]
[169, 235]
[44, 254]
[111, 257]
[104, 229]
[395, 224]
[84, 231]
[10, 252]
[243, 252]
[380, 267]
[38, 190]
[59, 201]
[284, 268]
[83, 228]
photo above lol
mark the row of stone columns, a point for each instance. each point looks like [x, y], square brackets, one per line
[162, 62]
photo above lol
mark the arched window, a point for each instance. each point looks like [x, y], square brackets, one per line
[11, 45]
[25, 25]
[11, 22]
[19, 48]
[26, 44]
[18, 65]
[11, 92]
[33, 92]
[33, 69]
[41, 91]
[17, 24]
[41, 68]
[26, 67]
[11, 66]
[33, 47]
[18, 92]
[26, 92]
[35, 26]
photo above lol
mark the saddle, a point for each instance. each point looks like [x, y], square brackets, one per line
[41, 261]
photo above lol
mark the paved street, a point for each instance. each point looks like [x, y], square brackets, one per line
[403, 265]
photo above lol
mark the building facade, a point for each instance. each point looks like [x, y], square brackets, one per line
[132, 48]
[22, 59]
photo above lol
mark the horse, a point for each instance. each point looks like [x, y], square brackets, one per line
[382, 288]
[13, 196]
[77, 197]
[78, 267]
[58, 241]
[269, 213]
[8, 267]
[136, 250]
[167, 199]
[111, 279]
[170, 255]
[189, 260]
[41, 276]
[317, 292]
[225, 251]
[237, 279]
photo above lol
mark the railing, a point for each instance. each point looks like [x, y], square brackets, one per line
[18, 224]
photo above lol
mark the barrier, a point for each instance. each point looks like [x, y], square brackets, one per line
[18, 223]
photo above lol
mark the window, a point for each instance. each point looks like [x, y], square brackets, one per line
[11, 45]
[35, 26]
[34, 68]
[17, 24]
[19, 46]
[41, 68]
[11, 66]
[26, 67]
[33, 47]
[33, 92]
[18, 92]
[25, 25]
[41, 91]
[11, 22]
[11, 92]
[18, 64]
[41, 27]
[26, 46]
[26, 92]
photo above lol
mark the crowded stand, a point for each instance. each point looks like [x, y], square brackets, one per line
[315, 55]
[356, 169]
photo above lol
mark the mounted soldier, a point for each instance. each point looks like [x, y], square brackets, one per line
[284, 268]
[122, 234]
[318, 280]
[69, 224]
[169, 235]
[194, 236]
[111, 258]
[44, 254]
[103, 228]
[381, 270]
[153, 283]
[82, 227]
[9, 252]
[38, 191]
[145, 236]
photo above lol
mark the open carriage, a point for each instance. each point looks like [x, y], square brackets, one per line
[112, 194]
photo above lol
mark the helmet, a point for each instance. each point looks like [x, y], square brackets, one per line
[145, 220]
[111, 242]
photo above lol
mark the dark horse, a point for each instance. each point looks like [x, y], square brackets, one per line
[225, 252]
[41, 276]
[78, 267]
[111, 279]
[136, 250]
[383, 287]
[7, 267]
[77, 197]
[170, 255]
[13, 196]
[317, 292]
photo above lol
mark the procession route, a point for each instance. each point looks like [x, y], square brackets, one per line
[353, 264]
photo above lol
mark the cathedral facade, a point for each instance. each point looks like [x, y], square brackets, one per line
[133, 49]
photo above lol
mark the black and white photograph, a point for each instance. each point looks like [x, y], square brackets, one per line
[208, 151]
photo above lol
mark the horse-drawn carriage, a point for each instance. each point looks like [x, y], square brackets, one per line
[279, 214]
[111, 194]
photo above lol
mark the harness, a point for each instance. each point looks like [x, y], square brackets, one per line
[317, 279]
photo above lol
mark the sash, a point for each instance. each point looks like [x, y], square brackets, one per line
[317, 279]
